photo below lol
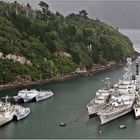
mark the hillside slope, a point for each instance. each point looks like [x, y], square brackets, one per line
[40, 44]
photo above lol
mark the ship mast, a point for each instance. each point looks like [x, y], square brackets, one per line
[107, 83]
[128, 70]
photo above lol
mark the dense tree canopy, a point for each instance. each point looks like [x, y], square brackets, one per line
[55, 44]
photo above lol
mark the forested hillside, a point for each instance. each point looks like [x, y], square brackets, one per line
[39, 44]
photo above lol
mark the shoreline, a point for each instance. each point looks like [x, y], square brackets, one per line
[61, 78]
[68, 76]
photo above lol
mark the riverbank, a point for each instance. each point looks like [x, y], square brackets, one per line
[96, 69]
[62, 77]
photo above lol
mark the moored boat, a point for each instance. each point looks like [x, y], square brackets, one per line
[26, 95]
[6, 113]
[29, 95]
[42, 95]
[121, 102]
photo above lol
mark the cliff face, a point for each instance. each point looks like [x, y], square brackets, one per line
[51, 44]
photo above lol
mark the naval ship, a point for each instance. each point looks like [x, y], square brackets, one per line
[6, 113]
[26, 95]
[102, 95]
[29, 95]
[122, 100]
[10, 111]
[42, 95]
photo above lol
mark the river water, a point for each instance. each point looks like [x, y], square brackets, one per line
[69, 105]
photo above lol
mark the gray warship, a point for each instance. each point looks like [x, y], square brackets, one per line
[122, 100]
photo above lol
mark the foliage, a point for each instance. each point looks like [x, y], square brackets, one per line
[40, 35]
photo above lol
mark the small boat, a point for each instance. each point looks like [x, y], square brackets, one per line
[100, 131]
[62, 124]
[122, 126]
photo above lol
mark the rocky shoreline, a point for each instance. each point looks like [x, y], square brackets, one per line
[91, 72]
[61, 78]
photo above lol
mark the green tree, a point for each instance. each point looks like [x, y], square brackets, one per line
[83, 13]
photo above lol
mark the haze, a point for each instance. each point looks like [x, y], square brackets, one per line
[122, 14]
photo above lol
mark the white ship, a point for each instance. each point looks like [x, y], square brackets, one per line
[6, 116]
[26, 95]
[6, 113]
[117, 107]
[42, 95]
[21, 112]
[9, 111]
[121, 102]
[21, 95]
[29, 95]
[100, 99]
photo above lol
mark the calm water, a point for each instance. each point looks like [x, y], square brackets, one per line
[69, 105]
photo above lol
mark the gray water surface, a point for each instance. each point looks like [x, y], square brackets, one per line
[68, 105]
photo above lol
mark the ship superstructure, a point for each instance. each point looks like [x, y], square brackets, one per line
[102, 95]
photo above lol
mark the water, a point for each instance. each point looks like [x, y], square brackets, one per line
[134, 36]
[69, 105]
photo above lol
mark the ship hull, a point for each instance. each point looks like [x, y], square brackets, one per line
[92, 111]
[107, 118]
[22, 116]
[17, 98]
[28, 99]
[6, 119]
[39, 98]
[137, 112]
